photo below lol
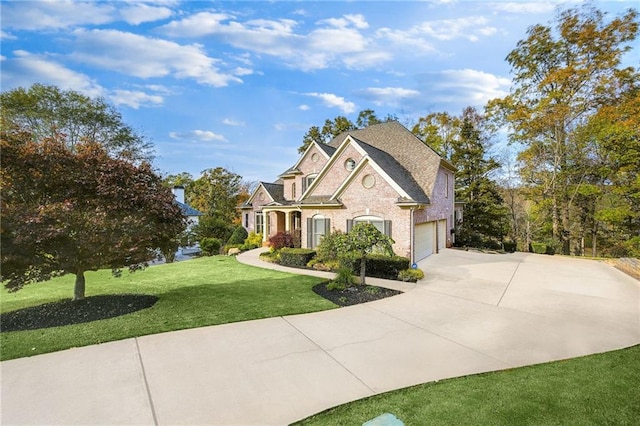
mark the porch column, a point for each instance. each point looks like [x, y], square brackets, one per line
[265, 218]
[287, 220]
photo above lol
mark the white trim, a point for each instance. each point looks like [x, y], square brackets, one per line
[304, 154]
[255, 192]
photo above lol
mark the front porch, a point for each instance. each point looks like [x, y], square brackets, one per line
[279, 219]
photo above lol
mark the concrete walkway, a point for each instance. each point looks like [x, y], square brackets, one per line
[472, 313]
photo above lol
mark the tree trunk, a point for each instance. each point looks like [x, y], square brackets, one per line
[78, 290]
[363, 270]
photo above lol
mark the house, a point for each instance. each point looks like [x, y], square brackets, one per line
[382, 174]
[193, 218]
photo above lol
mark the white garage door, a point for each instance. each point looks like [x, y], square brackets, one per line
[425, 240]
[442, 234]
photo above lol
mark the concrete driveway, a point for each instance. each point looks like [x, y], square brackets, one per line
[472, 313]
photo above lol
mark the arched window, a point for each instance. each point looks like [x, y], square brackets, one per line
[308, 180]
[382, 225]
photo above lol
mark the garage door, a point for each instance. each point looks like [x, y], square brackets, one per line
[425, 240]
[442, 234]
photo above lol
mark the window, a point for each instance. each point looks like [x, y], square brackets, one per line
[246, 220]
[382, 225]
[350, 164]
[315, 157]
[368, 181]
[317, 228]
[308, 180]
[293, 191]
[259, 222]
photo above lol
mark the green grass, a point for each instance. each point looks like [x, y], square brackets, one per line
[200, 292]
[594, 390]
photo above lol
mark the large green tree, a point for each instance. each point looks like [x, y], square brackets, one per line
[485, 215]
[564, 73]
[439, 130]
[48, 111]
[70, 210]
[216, 193]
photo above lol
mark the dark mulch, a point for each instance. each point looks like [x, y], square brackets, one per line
[67, 312]
[354, 295]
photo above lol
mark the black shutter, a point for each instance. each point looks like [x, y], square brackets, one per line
[387, 228]
[309, 232]
[304, 184]
[349, 225]
[327, 228]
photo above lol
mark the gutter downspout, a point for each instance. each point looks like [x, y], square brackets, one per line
[412, 236]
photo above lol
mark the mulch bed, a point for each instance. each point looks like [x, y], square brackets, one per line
[353, 295]
[67, 312]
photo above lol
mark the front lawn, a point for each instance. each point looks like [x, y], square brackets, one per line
[593, 390]
[195, 293]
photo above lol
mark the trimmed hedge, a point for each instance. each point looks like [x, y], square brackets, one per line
[381, 266]
[297, 257]
[542, 248]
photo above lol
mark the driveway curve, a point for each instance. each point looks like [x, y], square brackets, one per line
[472, 313]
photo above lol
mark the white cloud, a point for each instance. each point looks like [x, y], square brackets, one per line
[304, 107]
[526, 7]
[134, 98]
[469, 28]
[333, 42]
[147, 57]
[333, 101]
[140, 12]
[358, 21]
[7, 36]
[25, 69]
[392, 96]
[471, 86]
[198, 135]
[231, 122]
[36, 15]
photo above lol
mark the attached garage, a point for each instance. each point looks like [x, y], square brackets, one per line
[425, 240]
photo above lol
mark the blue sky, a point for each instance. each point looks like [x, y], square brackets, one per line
[238, 84]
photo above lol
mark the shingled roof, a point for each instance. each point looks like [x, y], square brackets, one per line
[409, 154]
[396, 171]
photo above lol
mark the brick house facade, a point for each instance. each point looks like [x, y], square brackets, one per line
[382, 174]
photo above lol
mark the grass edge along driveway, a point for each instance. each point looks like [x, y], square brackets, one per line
[200, 292]
[595, 389]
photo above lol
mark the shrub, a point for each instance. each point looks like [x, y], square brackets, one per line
[210, 246]
[344, 278]
[248, 246]
[238, 236]
[542, 248]
[253, 239]
[297, 257]
[331, 246]
[510, 246]
[381, 266]
[282, 240]
[209, 227]
[411, 275]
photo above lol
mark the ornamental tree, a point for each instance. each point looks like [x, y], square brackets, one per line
[70, 210]
[363, 239]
